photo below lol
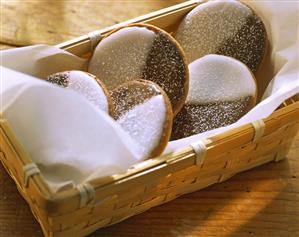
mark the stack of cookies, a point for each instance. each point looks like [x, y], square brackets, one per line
[160, 88]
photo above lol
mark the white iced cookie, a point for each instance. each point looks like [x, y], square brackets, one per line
[141, 51]
[222, 90]
[224, 27]
[144, 111]
[85, 84]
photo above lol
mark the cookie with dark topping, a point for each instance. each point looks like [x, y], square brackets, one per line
[144, 111]
[85, 84]
[227, 28]
[142, 51]
[222, 90]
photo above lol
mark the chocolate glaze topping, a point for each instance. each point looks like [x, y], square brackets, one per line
[60, 79]
[165, 66]
[248, 45]
[126, 96]
[194, 119]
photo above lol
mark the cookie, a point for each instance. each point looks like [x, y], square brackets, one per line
[144, 111]
[141, 51]
[222, 90]
[227, 28]
[85, 84]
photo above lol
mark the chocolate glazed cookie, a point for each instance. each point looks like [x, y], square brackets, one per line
[222, 90]
[85, 84]
[144, 111]
[167, 68]
[198, 118]
[141, 51]
[227, 28]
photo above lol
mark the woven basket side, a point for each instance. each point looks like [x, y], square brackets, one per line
[164, 179]
[156, 192]
[113, 202]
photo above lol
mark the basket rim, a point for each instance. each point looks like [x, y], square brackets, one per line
[49, 200]
[188, 5]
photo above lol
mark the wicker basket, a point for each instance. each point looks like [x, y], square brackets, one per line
[105, 201]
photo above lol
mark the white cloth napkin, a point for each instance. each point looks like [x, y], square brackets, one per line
[65, 135]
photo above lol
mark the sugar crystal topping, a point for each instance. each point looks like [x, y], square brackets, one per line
[141, 53]
[131, 94]
[165, 66]
[222, 90]
[223, 27]
[145, 123]
[84, 84]
[219, 78]
[194, 119]
[60, 79]
[121, 56]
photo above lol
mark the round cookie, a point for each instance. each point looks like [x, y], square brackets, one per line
[224, 27]
[141, 51]
[222, 90]
[85, 84]
[144, 111]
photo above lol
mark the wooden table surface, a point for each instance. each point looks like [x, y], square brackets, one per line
[260, 202]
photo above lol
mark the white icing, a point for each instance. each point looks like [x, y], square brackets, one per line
[89, 88]
[209, 25]
[121, 56]
[145, 122]
[219, 78]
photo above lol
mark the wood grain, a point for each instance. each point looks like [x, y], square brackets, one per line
[6, 46]
[260, 202]
[36, 22]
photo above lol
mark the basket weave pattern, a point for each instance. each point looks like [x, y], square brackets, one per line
[149, 183]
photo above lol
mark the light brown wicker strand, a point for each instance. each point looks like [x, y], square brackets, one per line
[94, 37]
[87, 194]
[259, 129]
[200, 150]
[29, 170]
